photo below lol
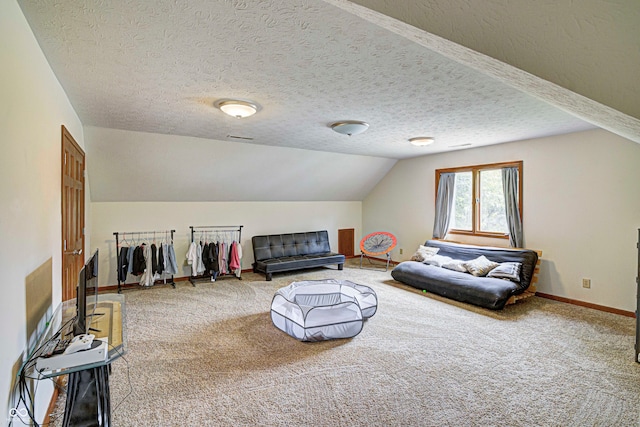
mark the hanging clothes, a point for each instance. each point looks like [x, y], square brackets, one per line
[206, 257]
[239, 251]
[235, 256]
[199, 263]
[234, 259]
[192, 258]
[160, 266]
[123, 263]
[214, 259]
[209, 258]
[154, 258]
[139, 262]
[219, 257]
[130, 260]
[148, 277]
[170, 263]
[150, 262]
[222, 257]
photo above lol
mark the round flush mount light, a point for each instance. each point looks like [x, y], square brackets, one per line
[422, 141]
[349, 127]
[236, 108]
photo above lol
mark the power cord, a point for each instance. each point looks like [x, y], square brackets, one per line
[128, 378]
[25, 396]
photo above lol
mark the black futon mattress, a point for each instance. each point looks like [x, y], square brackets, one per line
[485, 292]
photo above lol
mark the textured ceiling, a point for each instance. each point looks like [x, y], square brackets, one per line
[157, 66]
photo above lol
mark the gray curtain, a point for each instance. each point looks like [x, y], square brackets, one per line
[444, 201]
[510, 188]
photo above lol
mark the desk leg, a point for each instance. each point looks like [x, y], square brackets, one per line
[88, 399]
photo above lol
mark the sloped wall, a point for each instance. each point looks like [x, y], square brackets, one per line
[129, 166]
[34, 106]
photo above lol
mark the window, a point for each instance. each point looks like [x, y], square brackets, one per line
[478, 199]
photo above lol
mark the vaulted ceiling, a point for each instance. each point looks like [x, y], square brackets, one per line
[591, 47]
[465, 72]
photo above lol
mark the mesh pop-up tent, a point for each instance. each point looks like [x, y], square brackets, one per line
[317, 310]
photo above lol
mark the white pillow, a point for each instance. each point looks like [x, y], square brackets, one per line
[455, 265]
[507, 270]
[437, 260]
[424, 252]
[480, 266]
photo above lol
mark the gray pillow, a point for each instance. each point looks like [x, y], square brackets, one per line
[507, 270]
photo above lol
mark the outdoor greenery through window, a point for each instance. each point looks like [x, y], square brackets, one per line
[478, 199]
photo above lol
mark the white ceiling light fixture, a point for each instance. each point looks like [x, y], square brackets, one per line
[236, 108]
[422, 141]
[349, 127]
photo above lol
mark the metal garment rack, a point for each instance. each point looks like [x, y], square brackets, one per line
[207, 230]
[143, 235]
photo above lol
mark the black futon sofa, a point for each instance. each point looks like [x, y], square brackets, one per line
[488, 292]
[276, 253]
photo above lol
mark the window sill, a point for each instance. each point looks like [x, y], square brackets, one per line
[480, 234]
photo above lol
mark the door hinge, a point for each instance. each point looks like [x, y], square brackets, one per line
[65, 158]
[65, 245]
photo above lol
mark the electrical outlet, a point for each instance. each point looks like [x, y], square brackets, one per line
[586, 283]
[400, 251]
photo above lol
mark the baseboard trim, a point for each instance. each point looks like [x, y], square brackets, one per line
[587, 304]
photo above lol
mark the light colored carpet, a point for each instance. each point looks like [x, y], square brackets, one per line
[210, 356]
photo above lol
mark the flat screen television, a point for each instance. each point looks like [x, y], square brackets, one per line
[86, 295]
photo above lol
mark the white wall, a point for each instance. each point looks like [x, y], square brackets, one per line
[256, 217]
[149, 167]
[581, 208]
[33, 108]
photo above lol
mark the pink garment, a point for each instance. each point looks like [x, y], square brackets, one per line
[234, 262]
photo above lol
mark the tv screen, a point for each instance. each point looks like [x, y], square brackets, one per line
[87, 295]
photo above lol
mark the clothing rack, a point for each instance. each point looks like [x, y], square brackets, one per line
[213, 232]
[136, 236]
